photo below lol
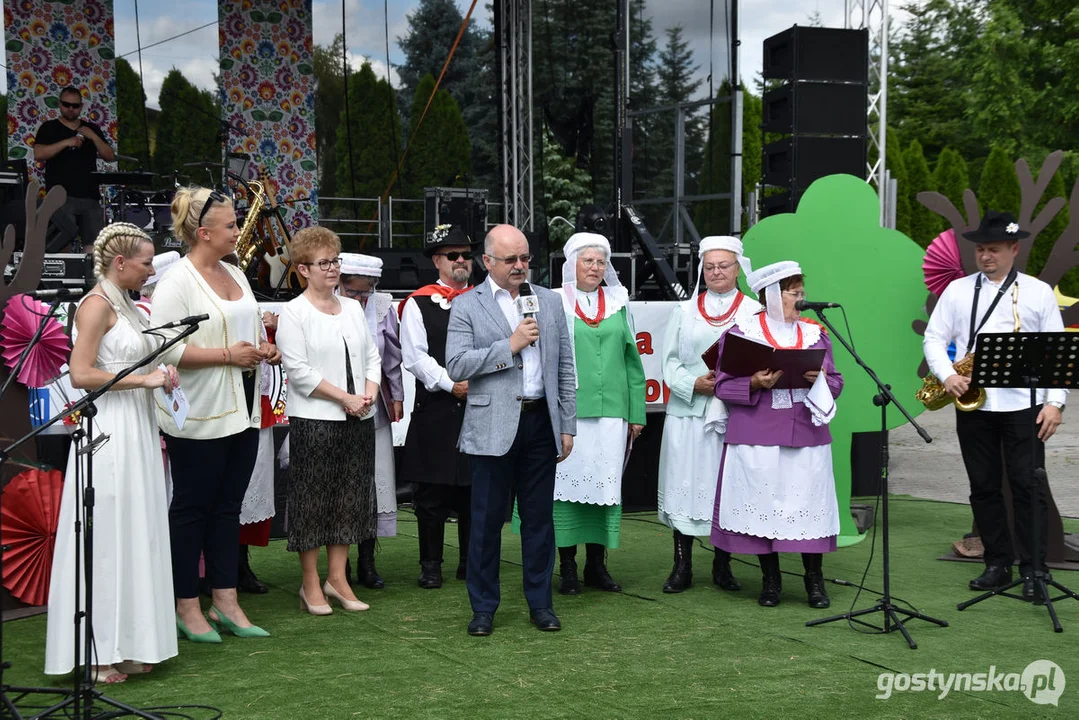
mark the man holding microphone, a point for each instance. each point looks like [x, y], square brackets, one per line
[511, 343]
[69, 146]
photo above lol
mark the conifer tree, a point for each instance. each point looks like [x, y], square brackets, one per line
[923, 221]
[132, 133]
[998, 186]
[951, 178]
[186, 132]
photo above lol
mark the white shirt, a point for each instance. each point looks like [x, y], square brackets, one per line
[530, 355]
[950, 322]
[414, 349]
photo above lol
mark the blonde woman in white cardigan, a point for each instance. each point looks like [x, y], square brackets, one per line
[213, 454]
[334, 372]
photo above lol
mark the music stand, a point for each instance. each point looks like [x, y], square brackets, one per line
[1029, 360]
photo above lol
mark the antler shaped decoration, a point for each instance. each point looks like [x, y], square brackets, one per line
[28, 275]
[1063, 257]
[1031, 193]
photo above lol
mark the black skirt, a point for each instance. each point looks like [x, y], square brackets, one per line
[331, 492]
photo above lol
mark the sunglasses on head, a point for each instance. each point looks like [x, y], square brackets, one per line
[452, 256]
[214, 196]
[73, 106]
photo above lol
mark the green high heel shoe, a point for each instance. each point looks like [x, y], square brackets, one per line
[223, 624]
[210, 636]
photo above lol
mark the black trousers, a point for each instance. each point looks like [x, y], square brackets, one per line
[433, 502]
[985, 438]
[526, 471]
[209, 479]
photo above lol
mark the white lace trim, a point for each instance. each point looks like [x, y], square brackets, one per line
[785, 399]
[592, 473]
[779, 492]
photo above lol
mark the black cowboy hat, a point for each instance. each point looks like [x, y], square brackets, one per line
[996, 227]
[444, 236]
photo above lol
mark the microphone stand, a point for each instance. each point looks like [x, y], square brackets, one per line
[82, 696]
[892, 620]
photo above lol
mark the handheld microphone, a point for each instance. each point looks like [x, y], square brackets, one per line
[808, 305]
[61, 293]
[189, 320]
[527, 303]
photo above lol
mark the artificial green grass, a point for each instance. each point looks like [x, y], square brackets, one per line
[639, 654]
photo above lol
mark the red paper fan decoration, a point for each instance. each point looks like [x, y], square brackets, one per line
[22, 315]
[28, 517]
[942, 263]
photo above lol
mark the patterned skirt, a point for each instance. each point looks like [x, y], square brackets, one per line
[331, 492]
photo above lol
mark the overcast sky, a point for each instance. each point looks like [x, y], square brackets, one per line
[195, 55]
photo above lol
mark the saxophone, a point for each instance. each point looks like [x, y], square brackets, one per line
[247, 246]
[932, 393]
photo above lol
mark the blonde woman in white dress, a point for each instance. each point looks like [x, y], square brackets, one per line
[133, 618]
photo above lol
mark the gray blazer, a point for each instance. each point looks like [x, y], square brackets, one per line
[478, 350]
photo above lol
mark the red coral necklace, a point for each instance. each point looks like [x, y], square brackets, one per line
[601, 308]
[725, 317]
[772, 341]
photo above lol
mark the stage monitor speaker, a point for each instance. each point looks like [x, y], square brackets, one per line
[795, 162]
[816, 108]
[464, 207]
[815, 53]
[404, 270]
[784, 202]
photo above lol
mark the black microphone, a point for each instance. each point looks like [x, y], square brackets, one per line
[527, 303]
[808, 305]
[61, 293]
[190, 320]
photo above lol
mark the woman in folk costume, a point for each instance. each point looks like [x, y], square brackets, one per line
[689, 457]
[359, 278]
[776, 490]
[610, 411]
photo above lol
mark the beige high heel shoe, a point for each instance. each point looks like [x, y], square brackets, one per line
[313, 609]
[353, 605]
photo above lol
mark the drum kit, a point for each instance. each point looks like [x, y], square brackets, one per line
[129, 200]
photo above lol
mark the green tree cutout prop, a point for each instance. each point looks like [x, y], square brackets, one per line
[876, 274]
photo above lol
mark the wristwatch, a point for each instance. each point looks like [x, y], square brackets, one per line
[1057, 404]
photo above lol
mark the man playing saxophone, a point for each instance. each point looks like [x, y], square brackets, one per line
[999, 299]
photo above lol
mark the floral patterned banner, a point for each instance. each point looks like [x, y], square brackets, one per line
[268, 86]
[51, 44]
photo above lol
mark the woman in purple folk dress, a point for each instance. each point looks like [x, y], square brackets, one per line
[776, 490]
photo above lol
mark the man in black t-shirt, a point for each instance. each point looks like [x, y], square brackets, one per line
[70, 147]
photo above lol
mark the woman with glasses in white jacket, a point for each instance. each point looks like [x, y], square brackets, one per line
[334, 372]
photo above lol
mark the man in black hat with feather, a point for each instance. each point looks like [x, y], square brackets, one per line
[999, 299]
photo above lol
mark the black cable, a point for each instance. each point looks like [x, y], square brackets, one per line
[348, 115]
[142, 79]
[170, 39]
[391, 114]
[730, 53]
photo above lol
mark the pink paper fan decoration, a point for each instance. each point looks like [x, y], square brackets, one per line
[22, 315]
[942, 263]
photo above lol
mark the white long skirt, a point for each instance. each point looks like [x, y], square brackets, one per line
[133, 608]
[688, 472]
[385, 482]
[782, 493]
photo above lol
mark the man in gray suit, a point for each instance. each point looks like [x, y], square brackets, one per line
[520, 419]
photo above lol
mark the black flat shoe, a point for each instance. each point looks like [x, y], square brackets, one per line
[430, 574]
[817, 596]
[482, 624]
[569, 584]
[597, 576]
[770, 591]
[995, 576]
[1028, 586]
[721, 572]
[544, 619]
